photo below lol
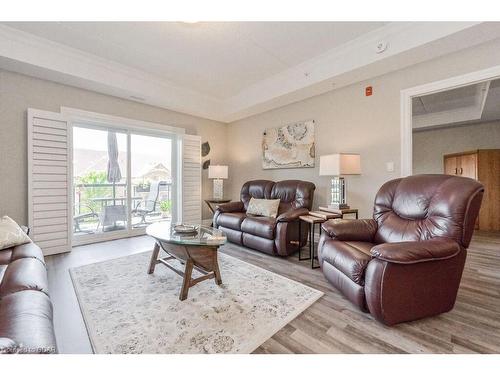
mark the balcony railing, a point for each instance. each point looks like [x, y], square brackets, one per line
[90, 200]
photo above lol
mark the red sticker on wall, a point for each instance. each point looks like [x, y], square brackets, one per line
[368, 91]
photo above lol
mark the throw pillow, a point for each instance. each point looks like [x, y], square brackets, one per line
[263, 207]
[11, 234]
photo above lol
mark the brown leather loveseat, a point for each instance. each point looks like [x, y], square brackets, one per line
[276, 236]
[406, 263]
[25, 307]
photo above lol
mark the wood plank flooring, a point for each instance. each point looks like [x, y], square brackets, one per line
[331, 325]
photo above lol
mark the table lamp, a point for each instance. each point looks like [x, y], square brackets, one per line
[218, 173]
[338, 165]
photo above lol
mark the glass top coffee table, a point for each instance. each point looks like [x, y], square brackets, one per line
[196, 250]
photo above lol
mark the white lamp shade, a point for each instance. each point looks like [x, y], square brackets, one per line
[218, 171]
[339, 164]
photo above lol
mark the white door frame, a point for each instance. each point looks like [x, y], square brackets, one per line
[431, 88]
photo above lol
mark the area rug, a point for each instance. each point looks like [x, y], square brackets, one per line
[128, 311]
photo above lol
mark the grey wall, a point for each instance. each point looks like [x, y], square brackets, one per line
[19, 92]
[347, 121]
[429, 146]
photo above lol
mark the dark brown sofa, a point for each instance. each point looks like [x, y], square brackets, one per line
[406, 263]
[277, 236]
[25, 307]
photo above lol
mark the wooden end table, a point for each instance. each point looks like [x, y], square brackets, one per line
[196, 251]
[212, 202]
[342, 211]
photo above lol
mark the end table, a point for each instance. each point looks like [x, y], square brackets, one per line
[311, 221]
[212, 202]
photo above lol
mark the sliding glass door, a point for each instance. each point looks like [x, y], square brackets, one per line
[122, 182]
[151, 179]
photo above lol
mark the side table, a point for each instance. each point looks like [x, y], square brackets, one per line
[311, 221]
[212, 202]
[341, 212]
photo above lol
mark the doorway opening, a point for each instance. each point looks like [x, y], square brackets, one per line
[456, 131]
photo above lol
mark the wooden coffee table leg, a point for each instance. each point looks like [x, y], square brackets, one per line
[154, 258]
[218, 278]
[187, 280]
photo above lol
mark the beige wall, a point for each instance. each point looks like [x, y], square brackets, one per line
[429, 146]
[19, 92]
[347, 121]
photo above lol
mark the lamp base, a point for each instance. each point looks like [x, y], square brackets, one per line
[218, 189]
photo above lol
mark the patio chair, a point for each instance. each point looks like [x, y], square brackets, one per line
[79, 219]
[148, 206]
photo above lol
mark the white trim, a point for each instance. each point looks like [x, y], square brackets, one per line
[108, 236]
[79, 115]
[431, 88]
[343, 65]
[470, 112]
[29, 54]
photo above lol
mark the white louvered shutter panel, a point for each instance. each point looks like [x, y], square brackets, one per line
[49, 198]
[191, 179]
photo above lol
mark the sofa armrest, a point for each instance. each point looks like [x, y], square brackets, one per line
[7, 346]
[416, 251]
[351, 230]
[292, 215]
[231, 207]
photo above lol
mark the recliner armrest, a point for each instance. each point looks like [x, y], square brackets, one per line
[292, 215]
[351, 230]
[231, 207]
[416, 251]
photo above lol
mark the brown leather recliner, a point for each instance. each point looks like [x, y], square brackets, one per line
[276, 236]
[25, 307]
[406, 263]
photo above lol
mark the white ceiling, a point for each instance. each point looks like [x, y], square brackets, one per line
[469, 104]
[218, 59]
[225, 70]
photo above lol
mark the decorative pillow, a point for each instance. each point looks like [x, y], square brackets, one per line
[11, 234]
[263, 207]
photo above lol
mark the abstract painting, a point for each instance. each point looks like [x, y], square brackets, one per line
[290, 146]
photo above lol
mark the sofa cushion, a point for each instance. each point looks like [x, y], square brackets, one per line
[231, 220]
[259, 243]
[26, 318]
[11, 233]
[263, 207]
[349, 258]
[24, 274]
[261, 226]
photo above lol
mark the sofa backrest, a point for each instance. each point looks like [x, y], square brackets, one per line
[293, 194]
[425, 206]
[259, 189]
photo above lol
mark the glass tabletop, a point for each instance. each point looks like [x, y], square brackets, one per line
[164, 231]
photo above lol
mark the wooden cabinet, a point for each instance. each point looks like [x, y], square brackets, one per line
[484, 166]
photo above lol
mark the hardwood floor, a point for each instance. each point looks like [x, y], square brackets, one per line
[331, 325]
